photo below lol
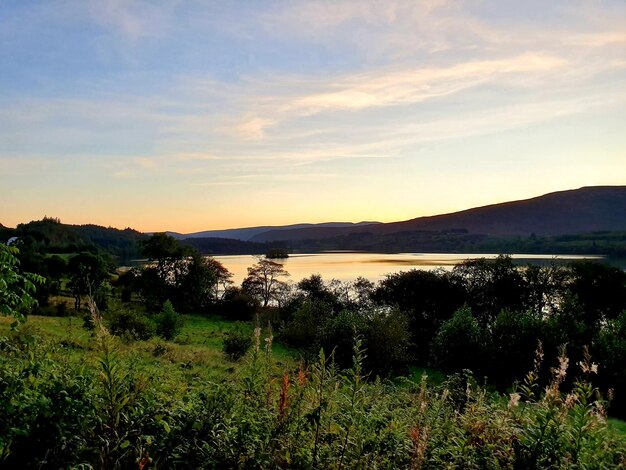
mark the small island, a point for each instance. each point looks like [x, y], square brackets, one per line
[277, 253]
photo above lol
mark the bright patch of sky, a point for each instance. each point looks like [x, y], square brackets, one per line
[193, 115]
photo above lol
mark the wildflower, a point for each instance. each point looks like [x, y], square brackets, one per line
[538, 357]
[588, 368]
[284, 395]
[563, 365]
[257, 338]
[268, 343]
[419, 436]
[514, 399]
[570, 400]
[560, 372]
[301, 378]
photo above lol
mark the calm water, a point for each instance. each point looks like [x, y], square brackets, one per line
[373, 266]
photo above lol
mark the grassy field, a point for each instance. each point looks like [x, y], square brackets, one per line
[194, 357]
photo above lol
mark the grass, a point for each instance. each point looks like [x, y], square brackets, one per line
[194, 357]
[618, 425]
[435, 377]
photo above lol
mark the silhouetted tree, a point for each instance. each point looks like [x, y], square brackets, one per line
[492, 286]
[87, 273]
[264, 280]
[428, 298]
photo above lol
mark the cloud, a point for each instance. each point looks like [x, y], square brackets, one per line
[252, 128]
[146, 163]
[414, 85]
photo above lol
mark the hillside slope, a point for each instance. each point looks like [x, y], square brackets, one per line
[248, 233]
[565, 212]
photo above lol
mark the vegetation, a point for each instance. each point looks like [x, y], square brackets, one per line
[51, 236]
[103, 413]
[264, 281]
[546, 345]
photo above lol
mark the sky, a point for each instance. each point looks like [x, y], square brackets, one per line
[197, 115]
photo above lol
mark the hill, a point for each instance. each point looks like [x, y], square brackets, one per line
[588, 209]
[248, 233]
[52, 236]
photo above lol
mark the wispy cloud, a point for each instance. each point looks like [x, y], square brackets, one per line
[220, 94]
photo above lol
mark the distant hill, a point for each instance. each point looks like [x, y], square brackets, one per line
[229, 246]
[585, 220]
[588, 209]
[52, 236]
[249, 233]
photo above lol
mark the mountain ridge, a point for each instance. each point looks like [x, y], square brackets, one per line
[247, 233]
[590, 208]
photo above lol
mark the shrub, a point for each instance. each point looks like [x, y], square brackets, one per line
[458, 344]
[237, 342]
[238, 305]
[387, 341]
[168, 322]
[130, 324]
[303, 330]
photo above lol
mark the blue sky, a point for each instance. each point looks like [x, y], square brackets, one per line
[192, 115]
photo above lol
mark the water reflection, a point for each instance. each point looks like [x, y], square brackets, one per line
[347, 266]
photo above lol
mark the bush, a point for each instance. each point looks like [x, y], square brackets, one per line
[514, 337]
[237, 342]
[238, 305]
[458, 344]
[130, 324]
[168, 322]
[387, 341]
[304, 328]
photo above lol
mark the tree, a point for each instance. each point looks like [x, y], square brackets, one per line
[168, 322]
[599, 289]
[165, 251]
[16, 289]
[263, 280]
[87, 273]
[492, 286]
[459, 343]
[164, 278]
[223, 277]
[429, 298]
[200, 283]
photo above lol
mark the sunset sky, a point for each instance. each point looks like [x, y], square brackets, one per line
[195, 115]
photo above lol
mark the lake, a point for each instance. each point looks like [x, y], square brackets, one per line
[373, 266]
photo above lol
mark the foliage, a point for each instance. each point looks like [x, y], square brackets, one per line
[428, 298]
[52, 236]
[383, 331]
[191, 281]
[274, 253]
[238, 305]
[264, 280]
[459, 342]
[16, 288]
[87, 273]
[69, 415]
[237, 342]
[513, 340]
[130, 324]
[492, 286]
[168, 322]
